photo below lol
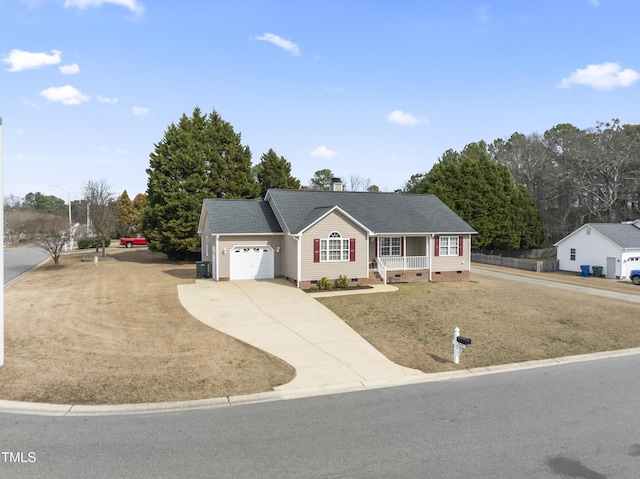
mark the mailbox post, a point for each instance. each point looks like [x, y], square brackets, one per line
[459, 344]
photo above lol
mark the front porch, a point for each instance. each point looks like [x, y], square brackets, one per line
[400, 258]
[401, 268]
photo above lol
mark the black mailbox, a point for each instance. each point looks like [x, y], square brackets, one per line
[463, 340]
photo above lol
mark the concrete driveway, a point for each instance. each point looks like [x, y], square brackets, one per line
[278, 318]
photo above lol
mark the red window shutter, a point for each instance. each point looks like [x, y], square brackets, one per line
[352, 249]
[316, 250]
[460, 241]
[436, 247]
[377, 250]
[402, 246]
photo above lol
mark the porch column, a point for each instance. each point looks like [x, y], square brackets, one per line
[404, 253]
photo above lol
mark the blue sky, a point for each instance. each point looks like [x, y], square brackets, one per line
[379, 89]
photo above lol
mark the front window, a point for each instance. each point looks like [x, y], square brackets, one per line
[448, 246]
[334, 248]
[390, 246]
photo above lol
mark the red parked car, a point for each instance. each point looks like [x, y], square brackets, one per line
[139, 240]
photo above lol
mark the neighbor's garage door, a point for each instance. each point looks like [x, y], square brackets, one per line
[251, 262]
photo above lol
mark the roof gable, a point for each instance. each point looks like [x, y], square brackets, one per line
[381, 213]
[318, 214]
[623, 235]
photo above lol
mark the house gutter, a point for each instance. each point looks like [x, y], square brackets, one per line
[430, 255]
[217, 272]
[298, 259]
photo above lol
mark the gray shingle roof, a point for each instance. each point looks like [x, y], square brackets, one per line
[241, 217]
[380, 212]
[624, 235]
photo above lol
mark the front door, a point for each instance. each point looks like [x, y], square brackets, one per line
[611, 268]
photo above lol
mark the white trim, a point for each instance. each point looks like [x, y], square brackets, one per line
[593, 230]
[430, 243]
[201, 222]
[298, 239]
[217, 257]
[402, 245]
[449, 246]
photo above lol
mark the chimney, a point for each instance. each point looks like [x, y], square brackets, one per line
[336, 184]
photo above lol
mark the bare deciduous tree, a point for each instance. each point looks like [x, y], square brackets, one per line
[47, 231]
[100, 199]
[359, 183]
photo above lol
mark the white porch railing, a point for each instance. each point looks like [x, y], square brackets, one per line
[382, 270]
[403, 263]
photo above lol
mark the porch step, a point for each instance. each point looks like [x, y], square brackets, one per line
[375, 277]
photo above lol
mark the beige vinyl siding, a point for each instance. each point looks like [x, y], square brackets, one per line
[228, 242]
[335, 221]
[289, 256]
[453, 263]
[416, 246]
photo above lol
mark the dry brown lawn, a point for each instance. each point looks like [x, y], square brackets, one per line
[117, 333]
[508, 321]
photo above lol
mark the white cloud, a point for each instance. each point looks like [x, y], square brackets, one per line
[133, 5]
[67, 95]
[280, 42]
[594, 3]
[605, 76]
[69, 69]
[21, 60]
[407, 119]
[338, 89]
[104, 99]
[140, 110]
[323, 152]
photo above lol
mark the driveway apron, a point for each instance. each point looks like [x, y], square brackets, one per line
[284, 321]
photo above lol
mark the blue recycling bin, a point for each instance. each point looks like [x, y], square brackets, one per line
[585, 270]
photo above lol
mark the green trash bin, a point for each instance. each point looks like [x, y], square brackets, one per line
[202, 269]
[597, 271]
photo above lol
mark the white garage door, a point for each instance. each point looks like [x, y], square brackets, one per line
[252, 262]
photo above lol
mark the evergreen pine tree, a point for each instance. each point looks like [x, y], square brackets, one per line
[483, 193]
[200, 157]
[274, 171]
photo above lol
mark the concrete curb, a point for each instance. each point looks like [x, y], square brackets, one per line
[43, 409]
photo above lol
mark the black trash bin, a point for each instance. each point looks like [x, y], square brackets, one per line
[202, 269]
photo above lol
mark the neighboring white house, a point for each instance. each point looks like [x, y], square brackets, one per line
[613, 246]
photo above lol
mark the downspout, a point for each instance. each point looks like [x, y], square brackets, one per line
[298, 259]
[368, 255]
[429, 250]
[217, 270]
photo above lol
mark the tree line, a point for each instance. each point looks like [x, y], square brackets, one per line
[518, 193]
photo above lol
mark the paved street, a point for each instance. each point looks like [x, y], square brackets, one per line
[21, 259]
[577, 420]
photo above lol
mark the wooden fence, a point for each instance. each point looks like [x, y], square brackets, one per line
[527, 264]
